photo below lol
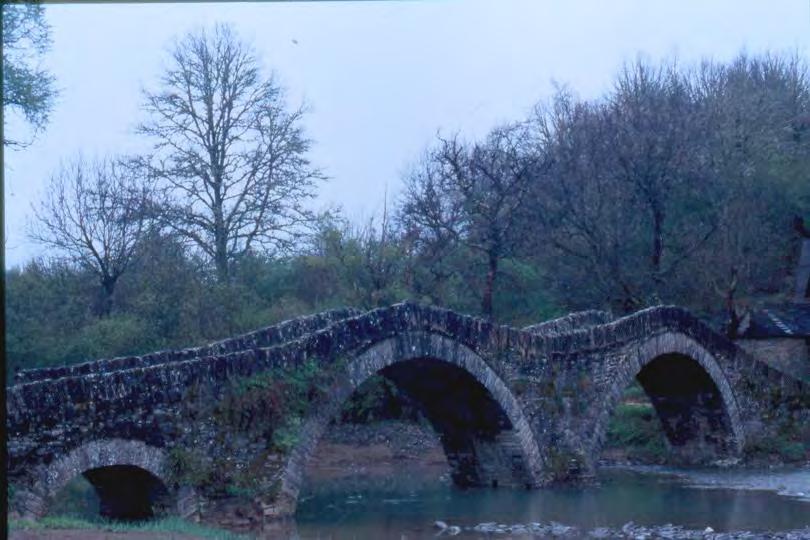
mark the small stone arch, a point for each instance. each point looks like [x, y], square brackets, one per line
[671, 344]
[403, 347]
[47, 480]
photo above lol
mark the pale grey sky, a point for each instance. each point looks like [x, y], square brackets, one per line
[381, 77]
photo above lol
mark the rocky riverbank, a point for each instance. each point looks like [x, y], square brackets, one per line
[628, 531]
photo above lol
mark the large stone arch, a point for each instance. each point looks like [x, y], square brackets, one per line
[404, 347]
[659, 348]
[45, 481]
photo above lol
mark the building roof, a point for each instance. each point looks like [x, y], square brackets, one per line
[789, 320]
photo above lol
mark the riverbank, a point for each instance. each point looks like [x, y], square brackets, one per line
[628, 531]
[70, 528]
[378, 450]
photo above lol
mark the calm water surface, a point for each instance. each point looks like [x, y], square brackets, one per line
[407, 507]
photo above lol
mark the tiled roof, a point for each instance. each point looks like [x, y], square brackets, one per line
[778, 320]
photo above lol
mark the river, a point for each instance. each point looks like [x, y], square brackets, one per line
[406, 506]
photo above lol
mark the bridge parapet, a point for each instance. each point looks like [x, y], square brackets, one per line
[265, 337]
[570, 322]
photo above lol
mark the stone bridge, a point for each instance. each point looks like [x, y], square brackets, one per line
[236, 421]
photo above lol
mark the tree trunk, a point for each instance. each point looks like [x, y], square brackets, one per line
[657, 249]
[221, 249]
[486, 302]
[107, 291]
[222, 265]
[731, 308]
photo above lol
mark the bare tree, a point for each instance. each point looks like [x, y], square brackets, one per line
[672, 186]
[94, 214]
[231, 158]
[757, 152]
[625, 201]
[474, 196]
[587, 228]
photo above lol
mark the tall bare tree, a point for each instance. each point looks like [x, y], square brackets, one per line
[230, 156]
[94, 214]
[473, 195]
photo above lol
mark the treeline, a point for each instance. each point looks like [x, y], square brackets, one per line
[679, 185]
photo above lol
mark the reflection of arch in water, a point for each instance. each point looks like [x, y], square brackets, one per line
[483, 430]
[128, 477]
[690, 393]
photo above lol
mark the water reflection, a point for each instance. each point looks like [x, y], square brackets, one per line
[406, 507]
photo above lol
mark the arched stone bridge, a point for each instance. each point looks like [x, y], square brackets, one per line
[512, 407]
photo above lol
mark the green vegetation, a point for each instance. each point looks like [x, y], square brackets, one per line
[636, 429]
[158, 526]
[78, 499]
[266, 410]
[780, 447]
[186, 467]
[273, 402]
[789, 443]
[377, 399]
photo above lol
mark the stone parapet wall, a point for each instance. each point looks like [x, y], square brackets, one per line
[570, 322]
[265, 337]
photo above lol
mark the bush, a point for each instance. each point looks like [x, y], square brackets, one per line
[188, 468]
[118, 335]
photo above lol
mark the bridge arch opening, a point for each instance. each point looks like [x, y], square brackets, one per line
[127, 478]
[688, 403]
[115, 492]
[675, 404]
[482, 430]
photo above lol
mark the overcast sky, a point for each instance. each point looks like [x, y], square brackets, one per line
[380, 77]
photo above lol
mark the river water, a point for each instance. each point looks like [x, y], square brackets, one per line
[407, 506]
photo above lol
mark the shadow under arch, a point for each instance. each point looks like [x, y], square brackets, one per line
[689, 391]
[425, 355]
[129, 477]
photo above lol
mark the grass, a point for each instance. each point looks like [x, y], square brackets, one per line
[163, 525]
